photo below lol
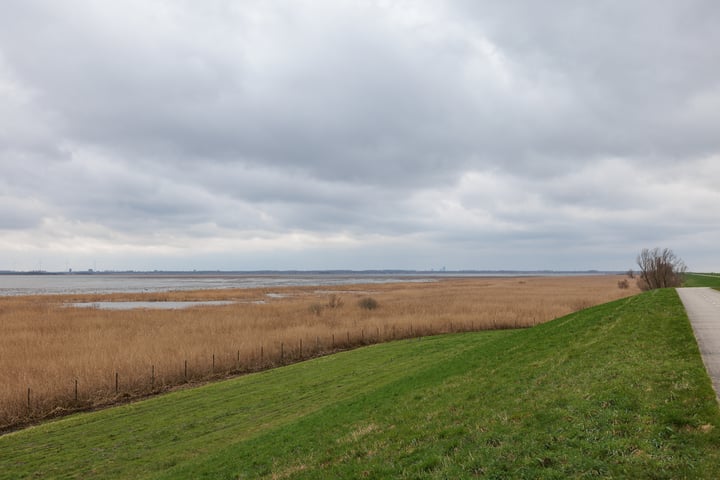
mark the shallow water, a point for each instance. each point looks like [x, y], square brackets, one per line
[134, 283]
[150, 305]
[88, 283]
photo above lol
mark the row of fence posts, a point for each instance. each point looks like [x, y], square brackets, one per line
[261, 361]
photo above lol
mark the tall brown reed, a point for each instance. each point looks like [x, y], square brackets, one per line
[55, 358]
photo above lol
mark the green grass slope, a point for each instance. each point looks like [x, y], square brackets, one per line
[617, 390]
[702, 280]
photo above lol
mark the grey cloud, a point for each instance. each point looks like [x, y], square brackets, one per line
[347, 97]
[632, 67]
[18, 214]
[263, 119]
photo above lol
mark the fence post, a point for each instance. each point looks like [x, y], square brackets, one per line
[333, 342]
[152, 377]
[116, 383]
[28, 399]
[282, 352]
[301, 348]
[186, 370]
[76, 395]
[213, 364]
[261, 355]
[238, 359]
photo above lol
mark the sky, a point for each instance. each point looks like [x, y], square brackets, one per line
[366, 134]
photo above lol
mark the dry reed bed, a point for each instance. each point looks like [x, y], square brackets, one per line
[54, 358]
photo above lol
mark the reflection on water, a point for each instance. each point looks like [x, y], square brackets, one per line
[150, 305]
[136, 283]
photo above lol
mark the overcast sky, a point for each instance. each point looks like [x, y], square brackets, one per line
[332, 134]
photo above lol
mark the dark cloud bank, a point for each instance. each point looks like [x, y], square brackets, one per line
[363, 134]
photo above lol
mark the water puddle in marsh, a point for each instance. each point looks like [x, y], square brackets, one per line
[149, 305]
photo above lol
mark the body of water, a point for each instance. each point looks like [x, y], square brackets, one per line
[16, 284]
[53, 284]
[164, 305]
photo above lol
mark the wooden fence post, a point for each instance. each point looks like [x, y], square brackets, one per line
[116, 383]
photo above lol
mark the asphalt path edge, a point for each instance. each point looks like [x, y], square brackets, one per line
[702, 305]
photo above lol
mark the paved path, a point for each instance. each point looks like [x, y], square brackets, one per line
[703, 308]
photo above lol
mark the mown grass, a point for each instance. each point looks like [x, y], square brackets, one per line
[617, 390]
[702, 280]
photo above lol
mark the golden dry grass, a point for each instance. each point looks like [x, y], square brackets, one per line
[47, 348]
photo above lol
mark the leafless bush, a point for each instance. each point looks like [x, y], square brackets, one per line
[623, 284]
[316, 308]
[660, 269]
[368, 303]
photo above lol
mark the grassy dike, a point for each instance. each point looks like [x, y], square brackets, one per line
[617, 390]
[702, 280]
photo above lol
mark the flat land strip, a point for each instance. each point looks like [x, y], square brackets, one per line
[702, 280]
[614, 391]
[702, 305]
[55, 359]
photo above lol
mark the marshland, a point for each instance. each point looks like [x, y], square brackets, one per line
[56, 358]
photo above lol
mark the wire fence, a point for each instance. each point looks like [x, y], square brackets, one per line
[38, 403]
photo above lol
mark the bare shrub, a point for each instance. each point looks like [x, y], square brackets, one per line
[316, 309]
[660, 269]
[368, 303]
[623, 284]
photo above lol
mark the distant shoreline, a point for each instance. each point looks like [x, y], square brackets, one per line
[318, 272]
[49, 283]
